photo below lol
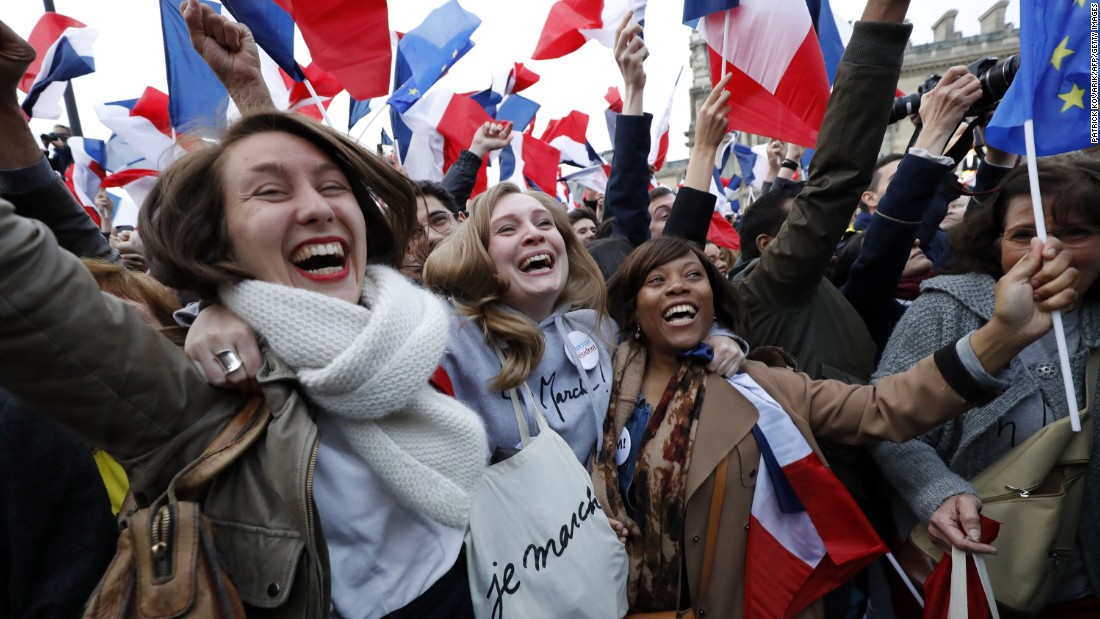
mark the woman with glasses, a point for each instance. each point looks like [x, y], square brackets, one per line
[930, 473]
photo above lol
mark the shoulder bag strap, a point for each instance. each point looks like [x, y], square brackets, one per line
[718, 496]
[521, 420]
[240, 434]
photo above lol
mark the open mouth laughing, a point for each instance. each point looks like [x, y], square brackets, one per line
[680, 314]
[321, 259]
[538, 263]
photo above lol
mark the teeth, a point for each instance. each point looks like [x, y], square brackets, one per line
[678, 309]
[319, 249]
[536, 258]
[324, 270]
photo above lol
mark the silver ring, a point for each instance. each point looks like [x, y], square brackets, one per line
[229, 360]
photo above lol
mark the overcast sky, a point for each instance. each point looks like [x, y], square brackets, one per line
[129, 56]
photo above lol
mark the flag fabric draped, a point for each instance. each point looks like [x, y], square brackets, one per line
[722, 233]
[436, 130]
[385, 138]
[832, 33]
[572, 23]
[356, 111]
[137, 184]
[63, 50]
[426, 52]
[658, 144]
[1053, 84]
[324, 84]
[746, 161]
[806, 534]
[594, 177]
[89, 167]
[568, 135]
[518, 109]
[778, 84]
[273, 29]
[348, 38]
[198, 98]
[144, 125]
[696, 9]
[530, 162]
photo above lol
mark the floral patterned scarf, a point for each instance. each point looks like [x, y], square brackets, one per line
[655, 544]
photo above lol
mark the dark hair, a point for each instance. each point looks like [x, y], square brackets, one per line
[582, 212]
[876, 176]
[657, 192]
[183, 222]
[766, 216]
[439, 192]
[622, 289]
[1069, 185]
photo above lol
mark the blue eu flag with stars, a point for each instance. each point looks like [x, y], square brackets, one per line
[1054, 86]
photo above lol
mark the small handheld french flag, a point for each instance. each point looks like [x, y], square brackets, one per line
[807, 535]
[64, 51]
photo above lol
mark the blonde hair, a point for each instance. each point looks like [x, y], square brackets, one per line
[461, 268]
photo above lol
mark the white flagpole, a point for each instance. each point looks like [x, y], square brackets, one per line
[371, 122]
[725, 41]
[1041, 230]
[317, 102]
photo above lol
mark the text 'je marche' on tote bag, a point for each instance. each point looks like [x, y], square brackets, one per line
[539, 544]
[1035, 491]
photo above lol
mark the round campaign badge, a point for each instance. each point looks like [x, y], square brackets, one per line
[622, 447]
[585, 347]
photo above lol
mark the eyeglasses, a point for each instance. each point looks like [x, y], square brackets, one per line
[1070, 236]
[440, 222]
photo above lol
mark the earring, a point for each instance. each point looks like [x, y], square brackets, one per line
[638, 331]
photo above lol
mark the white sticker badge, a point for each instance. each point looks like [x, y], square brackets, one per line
[622, 447]
[585, 347]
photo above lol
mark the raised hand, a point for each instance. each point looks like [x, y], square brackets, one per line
[942, 108]
[19, 149]
[230, 51]
[630, 54]
[491, 136]
[15, 56]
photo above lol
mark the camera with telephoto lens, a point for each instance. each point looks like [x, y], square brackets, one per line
[50, 137]
[995, 75]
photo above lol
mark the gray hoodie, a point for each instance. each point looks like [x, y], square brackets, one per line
[573, 399]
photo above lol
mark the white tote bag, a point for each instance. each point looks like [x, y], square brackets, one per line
[538, 543]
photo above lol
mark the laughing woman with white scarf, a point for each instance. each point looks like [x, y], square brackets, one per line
[352, 502]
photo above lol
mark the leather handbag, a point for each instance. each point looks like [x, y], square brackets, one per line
[1035, 491]
[718, 496]
[166, 564]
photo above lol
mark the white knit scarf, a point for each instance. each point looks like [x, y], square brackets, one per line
[368, 365]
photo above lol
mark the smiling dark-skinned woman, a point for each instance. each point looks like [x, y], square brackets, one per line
[674, 430]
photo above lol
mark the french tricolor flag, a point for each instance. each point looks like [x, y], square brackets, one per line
[807, 535]
[89, 168]
[437, 127]
[138, 184]
[63, 48]
[779, 85]
[530, 162]
[572, 23]
[658, 144]
[569, 135]
[144, 124]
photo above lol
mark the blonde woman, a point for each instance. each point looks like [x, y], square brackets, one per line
[520, 279]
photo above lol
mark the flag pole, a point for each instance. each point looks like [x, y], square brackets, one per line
[371, 121]
[1056, 316]
[317, 102]
[70, 98]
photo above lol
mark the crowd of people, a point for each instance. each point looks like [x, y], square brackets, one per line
[880, 317]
